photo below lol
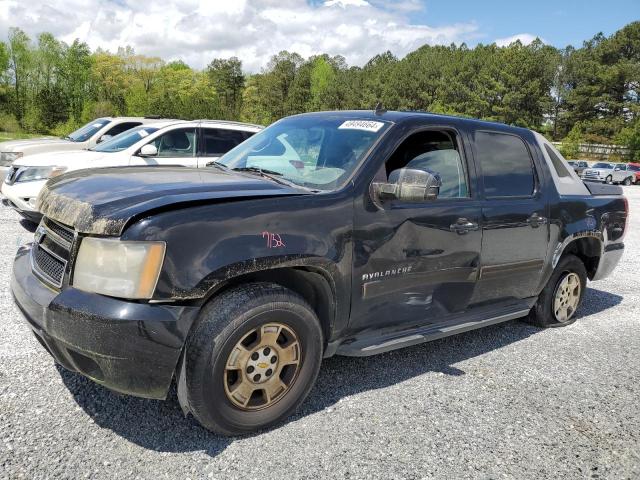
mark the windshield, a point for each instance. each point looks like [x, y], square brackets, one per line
[634, 168]
[124, 140]
[602, 165]
[86, 132]
[314, 152]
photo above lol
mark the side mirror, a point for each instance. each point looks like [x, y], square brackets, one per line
[148, 150]
[104, 138]
[409, 185]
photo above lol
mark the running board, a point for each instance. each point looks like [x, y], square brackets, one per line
[373, 344]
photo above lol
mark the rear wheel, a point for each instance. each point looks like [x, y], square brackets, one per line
[627, 181]
[252, 359]
[561, 297]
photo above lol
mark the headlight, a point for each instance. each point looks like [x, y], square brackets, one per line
[7, 158]
[117, 268]
[31, 174]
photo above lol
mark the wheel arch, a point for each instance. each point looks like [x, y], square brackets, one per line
[312, 283]
[587, 248]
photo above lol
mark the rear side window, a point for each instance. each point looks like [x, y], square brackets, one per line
[122, 127]
[558, 164]
[218, 141]
[507, 168]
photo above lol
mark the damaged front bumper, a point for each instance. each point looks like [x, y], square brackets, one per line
[126, 346]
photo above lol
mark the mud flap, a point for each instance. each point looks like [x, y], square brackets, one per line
[182, 385]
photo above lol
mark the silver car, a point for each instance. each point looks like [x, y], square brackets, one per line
[608, 173]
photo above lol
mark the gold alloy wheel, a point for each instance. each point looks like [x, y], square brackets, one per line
[262, 366]
[567, 297]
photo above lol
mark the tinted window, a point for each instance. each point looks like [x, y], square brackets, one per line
[177, 143]
[121, 127]
[85, 133]
[434, 152]
[634, 168]
[218, 141]
[558, 164]
[507, 168]
[603, 165]
[621, 166]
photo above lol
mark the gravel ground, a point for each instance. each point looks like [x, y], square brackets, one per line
[508, 401]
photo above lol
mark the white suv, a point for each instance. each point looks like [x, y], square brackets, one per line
[168, 142]
[99, 130]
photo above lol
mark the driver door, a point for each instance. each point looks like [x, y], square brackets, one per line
[174, 147]
[417, 263]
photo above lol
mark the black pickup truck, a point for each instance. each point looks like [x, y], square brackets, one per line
[349, 233]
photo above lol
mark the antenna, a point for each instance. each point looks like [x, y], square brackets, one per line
[379, 110]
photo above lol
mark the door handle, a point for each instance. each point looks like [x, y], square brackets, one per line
[463, 226]
[535, 220]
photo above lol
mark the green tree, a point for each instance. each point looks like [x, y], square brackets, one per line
[20, 64]
[227, 79]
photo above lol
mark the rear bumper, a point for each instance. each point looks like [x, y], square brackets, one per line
[128, 347]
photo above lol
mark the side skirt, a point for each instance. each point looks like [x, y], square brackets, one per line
[380, 341]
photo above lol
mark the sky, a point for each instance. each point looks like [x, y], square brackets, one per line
[196, 31]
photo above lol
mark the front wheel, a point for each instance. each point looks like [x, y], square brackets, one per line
[252, 359]
[608, 180]
[561, 297]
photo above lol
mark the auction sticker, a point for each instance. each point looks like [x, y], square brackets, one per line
[366, 125]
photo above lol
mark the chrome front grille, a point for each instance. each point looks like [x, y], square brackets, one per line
[51, 251]
[64, 233]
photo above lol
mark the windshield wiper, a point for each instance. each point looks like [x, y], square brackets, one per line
[217, 164]
[270, 174]
[264, 171]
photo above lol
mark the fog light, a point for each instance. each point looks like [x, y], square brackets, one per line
[31, 202]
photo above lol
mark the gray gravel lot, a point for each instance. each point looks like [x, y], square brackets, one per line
[509, 401]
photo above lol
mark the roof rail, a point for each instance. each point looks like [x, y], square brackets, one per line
[228, 122]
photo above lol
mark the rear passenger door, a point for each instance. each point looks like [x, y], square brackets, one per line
[215, 142]
[515, 233]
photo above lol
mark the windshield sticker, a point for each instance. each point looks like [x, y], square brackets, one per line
[143, 133]
[366, 125]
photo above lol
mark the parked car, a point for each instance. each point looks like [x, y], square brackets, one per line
[88, 136]
[578, 166]
[167, 142]
[383, 230]
[608, 173]
[635, 168]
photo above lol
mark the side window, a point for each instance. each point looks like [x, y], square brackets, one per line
[218, 141]
[177, 143]
[435, 152]
[121, 127]
[507, 167]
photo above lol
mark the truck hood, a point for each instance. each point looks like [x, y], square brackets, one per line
[74, 159]
[22, 145]
[103, 201]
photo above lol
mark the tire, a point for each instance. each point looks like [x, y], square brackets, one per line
[543, 314]
[242, 322]
[609, 180]
[627, 181]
